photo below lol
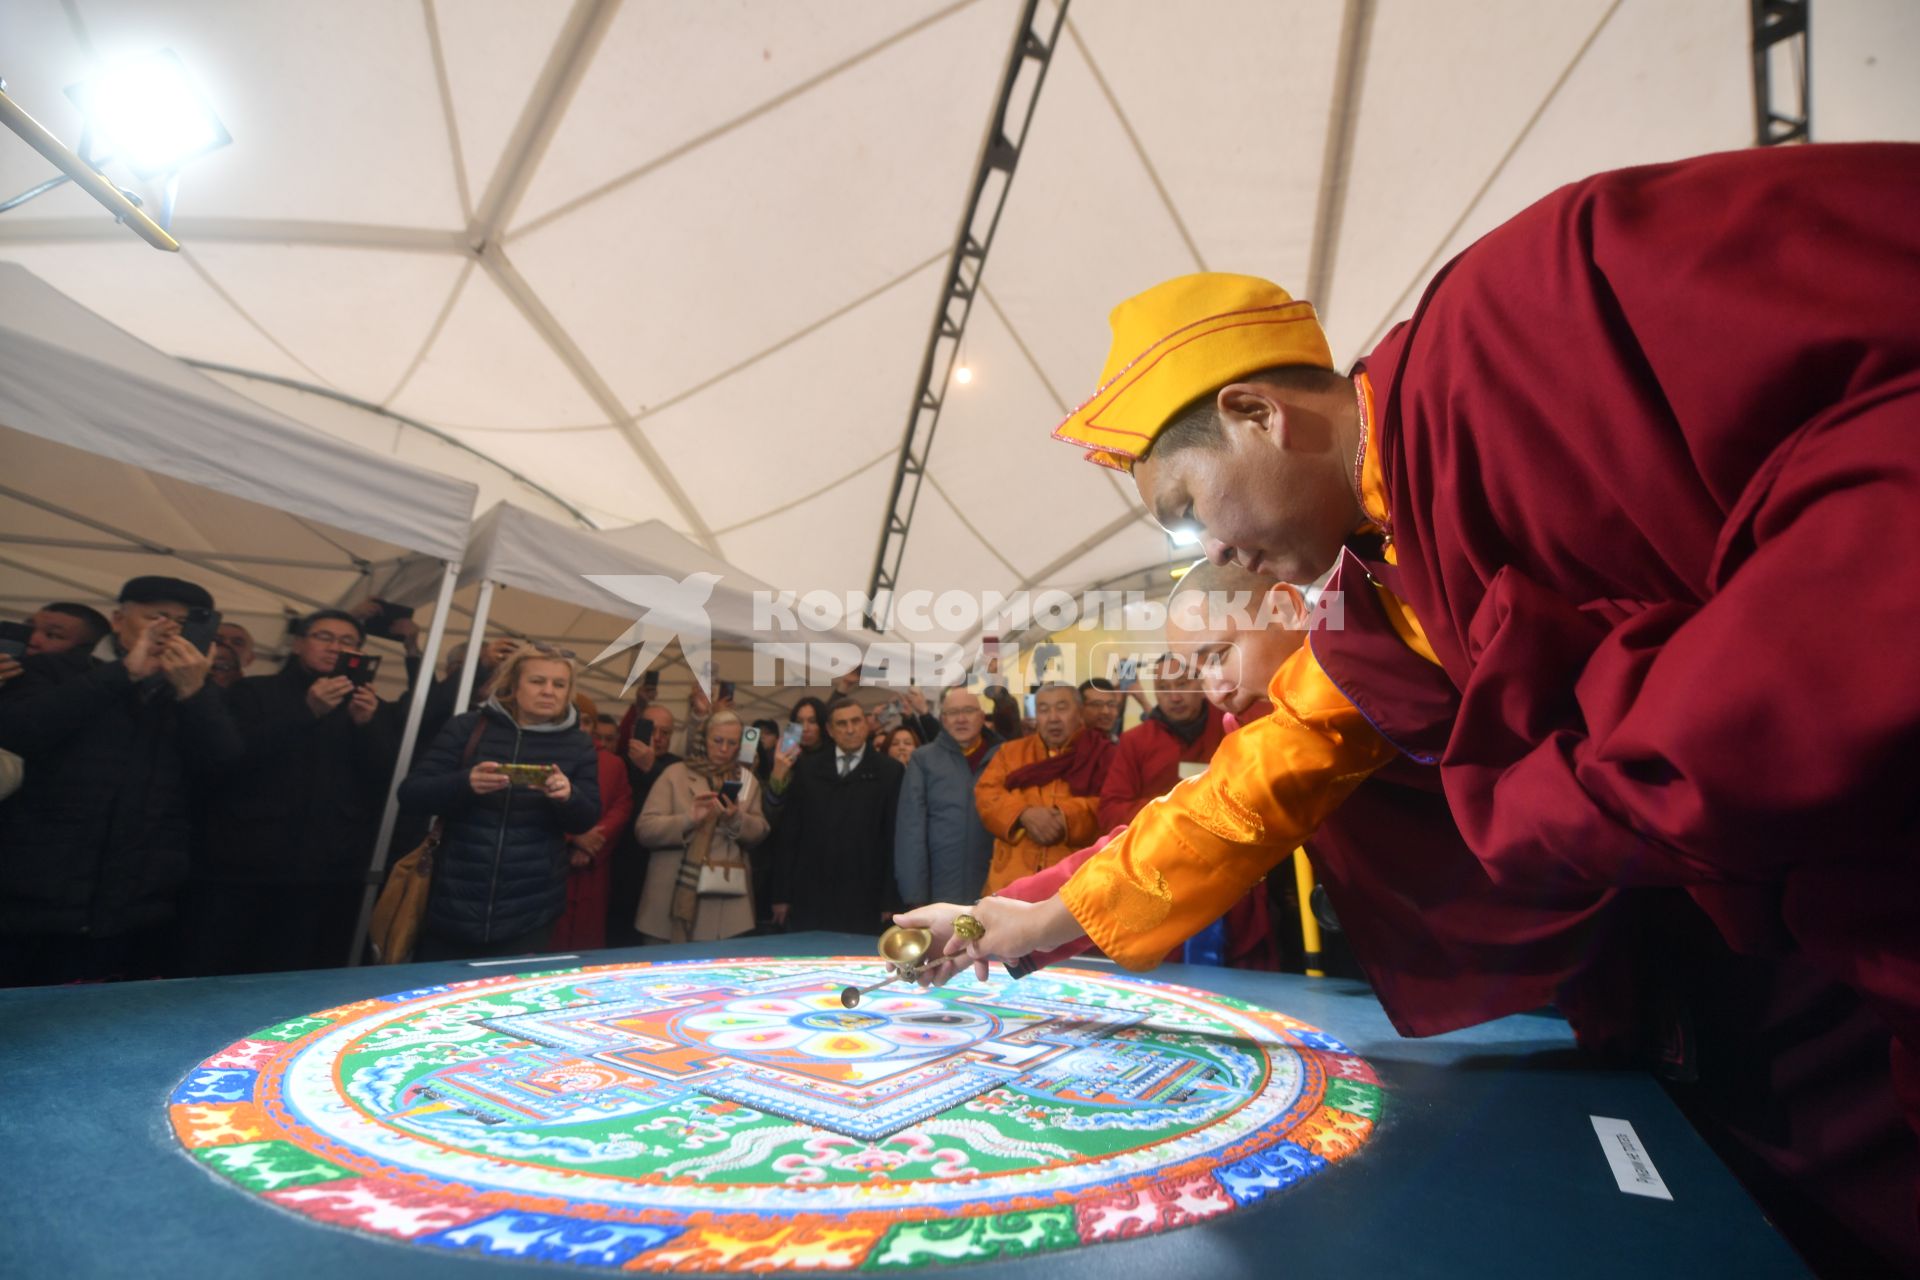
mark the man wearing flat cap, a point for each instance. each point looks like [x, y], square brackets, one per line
[1622, 521]
[94, 846]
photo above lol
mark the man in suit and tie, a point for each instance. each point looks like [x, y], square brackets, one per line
[834, 866]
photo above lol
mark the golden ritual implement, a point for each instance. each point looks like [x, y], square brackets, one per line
[904, 950]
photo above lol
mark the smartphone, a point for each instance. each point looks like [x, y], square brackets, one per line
[1027, 707]
[200, 628]
[380, 625]
[749, 745]
[650, 684]
[357, 667]
[791, 735]
[1129, 673]
[725, 693]
[526, 775]
[730, 790]
[14, 637]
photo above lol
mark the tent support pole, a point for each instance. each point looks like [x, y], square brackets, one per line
[470, 669]
[416, 711]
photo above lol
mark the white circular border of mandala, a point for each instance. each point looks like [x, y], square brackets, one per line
[309, 1074]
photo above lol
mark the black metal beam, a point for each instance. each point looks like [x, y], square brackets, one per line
[1032, 53]
[1776, 22]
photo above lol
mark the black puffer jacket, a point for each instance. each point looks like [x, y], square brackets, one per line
[303, 805]
[502, 865]
[96, 840]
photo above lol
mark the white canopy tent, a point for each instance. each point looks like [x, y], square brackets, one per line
[679, 261]
[535, 578]
[119, 461]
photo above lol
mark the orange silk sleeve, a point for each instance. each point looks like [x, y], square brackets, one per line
[1190, 855]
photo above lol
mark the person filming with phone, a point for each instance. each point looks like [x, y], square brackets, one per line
[699, 822]
[510, 782]
[278, 877]
[94, 847]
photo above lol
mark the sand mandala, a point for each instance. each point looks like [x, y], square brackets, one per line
[731, 1116]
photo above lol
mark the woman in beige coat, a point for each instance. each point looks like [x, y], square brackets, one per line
[696, 839]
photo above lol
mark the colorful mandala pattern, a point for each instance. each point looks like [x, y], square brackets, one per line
[731, 1116]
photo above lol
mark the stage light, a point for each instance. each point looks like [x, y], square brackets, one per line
[962, 375]
[148, 114]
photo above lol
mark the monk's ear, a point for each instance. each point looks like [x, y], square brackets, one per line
[1248, 404]
[1288, 603]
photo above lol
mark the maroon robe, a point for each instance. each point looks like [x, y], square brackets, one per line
[1652, 456]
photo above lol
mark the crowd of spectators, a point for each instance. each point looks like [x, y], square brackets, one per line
[170, 810]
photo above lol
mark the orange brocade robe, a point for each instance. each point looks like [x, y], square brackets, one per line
[1015, 854]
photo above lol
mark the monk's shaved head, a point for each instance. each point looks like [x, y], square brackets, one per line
[1204, 575]
[1236, 627]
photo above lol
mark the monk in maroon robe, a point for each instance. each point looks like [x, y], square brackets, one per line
[1624, 518]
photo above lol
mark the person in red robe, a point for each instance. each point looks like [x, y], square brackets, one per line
[583, 925]
[1621, 518]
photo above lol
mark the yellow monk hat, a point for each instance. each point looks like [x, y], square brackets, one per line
[1178, 341]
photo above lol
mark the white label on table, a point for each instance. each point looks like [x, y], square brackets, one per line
[1632, 1167]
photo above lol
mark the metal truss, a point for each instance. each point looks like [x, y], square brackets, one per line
[1777, 23]
[1026, 71]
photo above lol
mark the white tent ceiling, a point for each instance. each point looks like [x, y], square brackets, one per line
[677, 260]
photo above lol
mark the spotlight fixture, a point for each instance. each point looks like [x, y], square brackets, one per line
[149, 115]
[962, 374]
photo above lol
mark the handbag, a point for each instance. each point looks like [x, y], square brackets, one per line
[722, 880]
[402, 905]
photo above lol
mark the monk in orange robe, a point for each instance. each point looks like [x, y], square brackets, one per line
[1040, 795]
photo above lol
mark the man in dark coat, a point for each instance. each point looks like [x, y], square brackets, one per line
[834, 868]
[94, 847]
[290, 830]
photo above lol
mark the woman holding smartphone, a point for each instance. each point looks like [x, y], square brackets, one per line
[510, 782]
[700, 820]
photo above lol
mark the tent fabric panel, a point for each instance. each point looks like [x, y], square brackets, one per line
[389, 437]
[488, 368]
[752, 445]
[666, 72]
[1262, 133]
[93, 387]
[315, 300]
[156, 298]
[795, 214]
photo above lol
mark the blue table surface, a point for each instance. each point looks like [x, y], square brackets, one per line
[1484, 1162]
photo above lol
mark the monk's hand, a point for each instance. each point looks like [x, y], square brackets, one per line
[1011, 929]
[1042, 824]
[936, 918]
